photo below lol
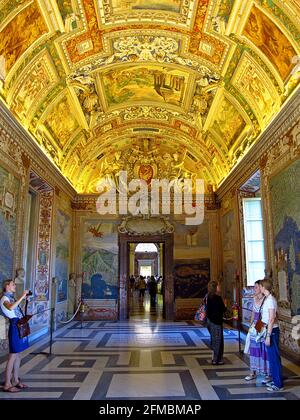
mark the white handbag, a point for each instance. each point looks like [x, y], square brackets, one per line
[247, 344]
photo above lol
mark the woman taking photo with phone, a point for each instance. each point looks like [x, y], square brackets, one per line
[10, 309]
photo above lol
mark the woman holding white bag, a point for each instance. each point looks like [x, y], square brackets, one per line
[258, 353]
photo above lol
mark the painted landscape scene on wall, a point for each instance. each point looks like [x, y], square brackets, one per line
[100, 261]
[285, 199]
[62, 255]
[9, 188]
[191, 278]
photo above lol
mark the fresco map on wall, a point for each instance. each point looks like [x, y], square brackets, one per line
[62, 255]
[227, 227]
[191, 278]
[285, 196]
[9, 189]
[100, 260]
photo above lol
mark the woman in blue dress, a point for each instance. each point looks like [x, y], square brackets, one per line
[10, 309]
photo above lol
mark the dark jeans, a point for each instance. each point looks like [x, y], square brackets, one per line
[274, 358]
[153, 299]
[217, 340]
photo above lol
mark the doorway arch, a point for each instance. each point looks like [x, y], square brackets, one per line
[167, 240]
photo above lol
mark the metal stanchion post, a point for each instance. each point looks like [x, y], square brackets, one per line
[239, 332]
[51, 331]
[81, 313]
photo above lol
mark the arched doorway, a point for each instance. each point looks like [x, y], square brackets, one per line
[166, 241]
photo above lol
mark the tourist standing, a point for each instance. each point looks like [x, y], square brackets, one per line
[258, 353]
[215, 312]
[10, 309]
[269, 318]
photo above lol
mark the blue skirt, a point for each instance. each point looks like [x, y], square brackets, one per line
[16, 344]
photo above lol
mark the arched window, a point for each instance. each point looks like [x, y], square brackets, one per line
[145, 247]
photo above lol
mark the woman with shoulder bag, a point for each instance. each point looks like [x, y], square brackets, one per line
[258, 354]
[269, 318]
[10, 309]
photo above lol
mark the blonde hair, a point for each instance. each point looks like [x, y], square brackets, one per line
[267, 284]
[212, 287]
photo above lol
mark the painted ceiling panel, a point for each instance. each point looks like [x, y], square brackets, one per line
[181, 88]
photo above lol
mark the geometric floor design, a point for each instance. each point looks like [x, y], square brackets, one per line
[141, 359]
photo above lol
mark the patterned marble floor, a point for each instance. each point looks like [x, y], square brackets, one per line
[140, 359]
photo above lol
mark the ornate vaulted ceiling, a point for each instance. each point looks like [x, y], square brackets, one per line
[182, 86]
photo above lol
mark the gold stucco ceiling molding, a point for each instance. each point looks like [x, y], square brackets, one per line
[143, 49]
[256, 87]
[122, 13]
[145, 225]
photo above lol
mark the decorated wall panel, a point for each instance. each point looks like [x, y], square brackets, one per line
[62, 262]
[9, 196]
[100, 289]
[285, 200]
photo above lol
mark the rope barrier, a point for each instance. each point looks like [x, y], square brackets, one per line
[71, 319]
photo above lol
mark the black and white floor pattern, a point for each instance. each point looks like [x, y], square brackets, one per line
[140, 359]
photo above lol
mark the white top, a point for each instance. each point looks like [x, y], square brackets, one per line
[269, 303]
[8, 313]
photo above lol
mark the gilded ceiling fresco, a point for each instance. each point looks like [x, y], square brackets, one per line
[145, 84]
[180, 88]
[228, 124]
[20, 33]
[271, 41]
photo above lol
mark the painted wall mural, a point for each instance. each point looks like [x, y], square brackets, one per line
[100, 260]
[271, 41]
[9, 192]
[191, 278]
[229, 124]
[63, 230]
[227, 228]
[141, 83]
[41, 286]
[191, 236]
[21, 32]
[285, 199]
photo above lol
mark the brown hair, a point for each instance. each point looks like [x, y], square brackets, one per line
[259, 282]
[212, 287]
[4, 286]
[267, 284]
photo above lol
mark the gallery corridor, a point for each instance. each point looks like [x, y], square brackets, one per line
[140, 360]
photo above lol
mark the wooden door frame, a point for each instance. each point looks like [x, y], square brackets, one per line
[168, 241]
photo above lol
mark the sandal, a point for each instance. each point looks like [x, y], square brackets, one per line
[11, 389]
[21, 386]
[250, 377]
